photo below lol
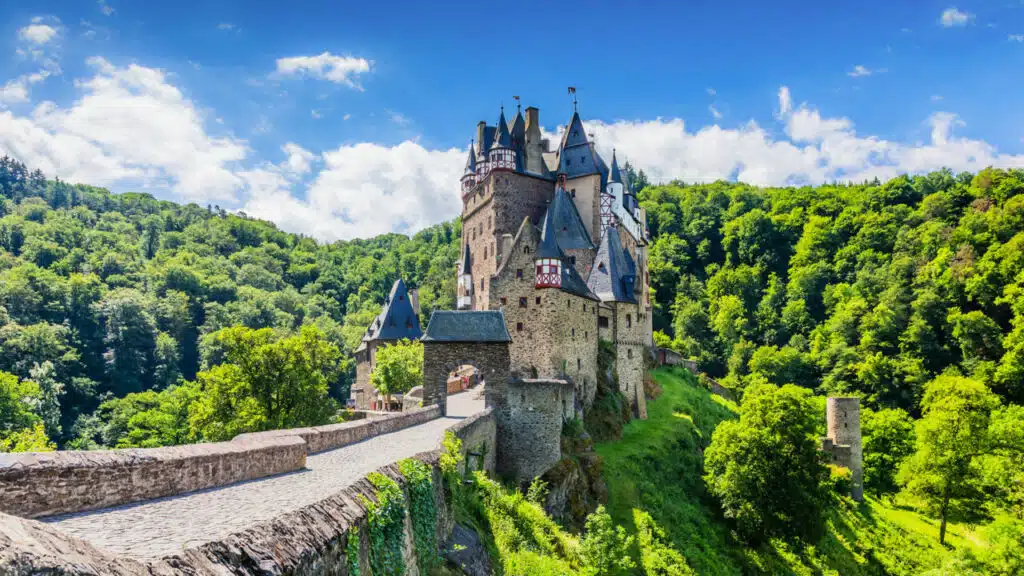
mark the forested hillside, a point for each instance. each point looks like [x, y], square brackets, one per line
[869, 289]
[104, 295]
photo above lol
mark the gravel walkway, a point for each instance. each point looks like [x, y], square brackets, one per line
[156, 528]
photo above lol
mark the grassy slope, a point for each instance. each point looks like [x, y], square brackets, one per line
[656, 466]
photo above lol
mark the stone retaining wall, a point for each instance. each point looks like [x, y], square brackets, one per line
[41, 484]
[479, 435]
[321, 438]
[311, 541]
[47, 483]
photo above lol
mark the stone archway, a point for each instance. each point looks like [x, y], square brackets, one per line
[455, 338]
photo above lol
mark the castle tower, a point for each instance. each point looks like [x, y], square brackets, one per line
[549, 257]
[502, 156]
[842, 417]
[611, 196]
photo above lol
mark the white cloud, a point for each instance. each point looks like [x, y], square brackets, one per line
[316, 114]
[37, 33]
[936, 97]
[156, 139]
[225, 26]
[299, 159]
[326, 66]
[712, 92]
[366, 189]
[346, 116]
[16, 91]
[953, 17]
[1016, 37]
[105, 8]
[785, 101]
[714, 112]
[858, 71]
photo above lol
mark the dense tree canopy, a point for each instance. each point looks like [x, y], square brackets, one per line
[104, 295]
[869, 289]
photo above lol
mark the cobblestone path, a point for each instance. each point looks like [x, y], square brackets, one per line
[156, 528]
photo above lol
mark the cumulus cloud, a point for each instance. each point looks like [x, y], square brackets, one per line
[326, 66]
[1016, 37]
[105, 8]
[953, 17]
[366, 189]
[37, 33]
[16, 91]
[159, 141]
[714, 112]
[156, 139]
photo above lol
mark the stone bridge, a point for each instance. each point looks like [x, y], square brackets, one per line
[164, 535]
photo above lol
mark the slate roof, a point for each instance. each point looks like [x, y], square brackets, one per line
[518, 131]
[467, 326]
[397, 319]
[471, 162]
[614, 175]
[567, 225]
[548, 246]
[484, 146]
[573, 283]
[613, 276]
[551, 247]
[466, 265]
[576, 157]
[502, 139]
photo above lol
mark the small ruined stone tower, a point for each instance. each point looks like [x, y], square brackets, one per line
[842, 417]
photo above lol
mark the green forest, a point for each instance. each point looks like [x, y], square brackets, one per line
[128, 321]
[119, 311]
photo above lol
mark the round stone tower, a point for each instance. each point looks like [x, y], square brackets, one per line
[843, 420]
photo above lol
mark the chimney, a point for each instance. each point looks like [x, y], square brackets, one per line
[414, 300]
[535, 146]
[481, 129]
[533, 119]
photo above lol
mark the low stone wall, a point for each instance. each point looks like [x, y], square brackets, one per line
[321, 438]
[530, 426]
[309, 541]
[47, 483]
[479, 435]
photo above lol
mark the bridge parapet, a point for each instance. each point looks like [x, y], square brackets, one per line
[35, 485]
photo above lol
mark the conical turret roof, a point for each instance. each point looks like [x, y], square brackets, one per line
[396, 320]
[613, 276]
[614, 176]
[471, 162]
[502, 139]
[567, 225]
[466, 265]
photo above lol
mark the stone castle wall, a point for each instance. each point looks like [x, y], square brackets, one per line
[362, 393]
[498, 206]
[442, 358]
[48, 483]
[479, 436]
[530, 426]
[586, 194]
[629, 361]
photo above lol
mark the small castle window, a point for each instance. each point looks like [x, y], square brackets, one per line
[485, 252]
[629, 321]
[481, 283]
[568, 304]
[573, 332]
[488, 222]
[504, 300]
[519, 273]
[522, 302]
[519, 326]
[629, 352]
[579, 364]
[573, 192]
[602, 321]
[538, 300]
[572, 262]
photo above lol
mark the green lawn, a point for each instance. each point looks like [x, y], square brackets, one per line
[656, 466]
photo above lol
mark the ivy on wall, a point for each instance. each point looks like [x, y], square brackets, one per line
[352, 551]
[386, 522]
[423, 511]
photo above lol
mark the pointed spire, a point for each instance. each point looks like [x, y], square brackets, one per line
[502, 138]
[574, 135]
[471, 162]
[613, 175]
[548, 247]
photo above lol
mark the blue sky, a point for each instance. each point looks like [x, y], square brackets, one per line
[344, 119]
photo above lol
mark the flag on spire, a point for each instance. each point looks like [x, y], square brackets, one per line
[572, 89]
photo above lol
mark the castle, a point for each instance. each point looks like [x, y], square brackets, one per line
[557, 241]
[554, 260]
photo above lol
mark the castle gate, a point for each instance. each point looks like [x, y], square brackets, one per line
[456, 338]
